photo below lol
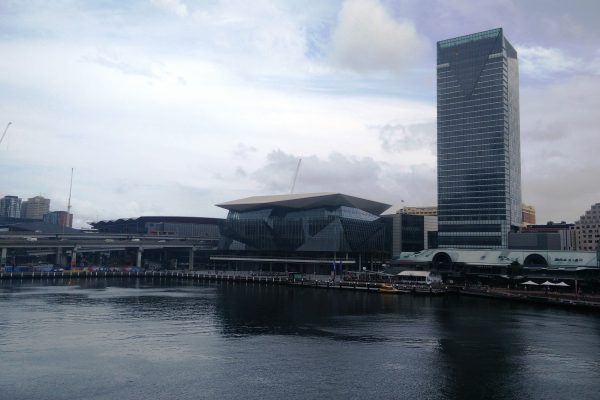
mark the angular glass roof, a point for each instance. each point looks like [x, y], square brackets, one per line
[305, 201]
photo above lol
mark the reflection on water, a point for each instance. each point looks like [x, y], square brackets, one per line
[154, 339]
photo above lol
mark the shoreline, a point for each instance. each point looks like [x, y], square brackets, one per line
[499, 294]
[539, 299]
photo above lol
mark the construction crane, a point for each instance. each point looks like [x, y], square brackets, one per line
[295, 176]
[68, 203]
[4, 134]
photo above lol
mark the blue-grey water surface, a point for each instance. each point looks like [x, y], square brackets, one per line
[152, 339]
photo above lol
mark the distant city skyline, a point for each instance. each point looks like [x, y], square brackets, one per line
[170, 107]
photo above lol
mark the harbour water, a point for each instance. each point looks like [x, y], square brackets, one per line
[152, 339]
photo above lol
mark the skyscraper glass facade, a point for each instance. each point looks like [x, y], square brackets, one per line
[479, 162]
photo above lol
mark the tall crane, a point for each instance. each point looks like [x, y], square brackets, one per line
[68, 203]
[295, 176]
[4, 134]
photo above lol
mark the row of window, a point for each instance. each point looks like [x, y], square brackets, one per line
[471, 193]
[447, 100]
[490, 73]
[481, 150]
[490, 122]
[487, 159]
[471, 38]
[488, 97]
[472, 218]
[446, 177]
[452, 89]
[486, 200]
[474, 141]
[465, 188]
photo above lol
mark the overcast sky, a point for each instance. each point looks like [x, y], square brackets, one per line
[167, 107]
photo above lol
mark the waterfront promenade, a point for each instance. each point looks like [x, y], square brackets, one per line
[589, 302]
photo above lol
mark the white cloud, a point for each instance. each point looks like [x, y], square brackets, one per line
[540, 62]
[142, 143]
[164, 115]
[176, 7]
[368, 39]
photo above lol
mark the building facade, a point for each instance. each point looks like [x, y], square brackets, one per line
[430, 210]
[196, 227]
[528, 215]
[413, 232]
[587, 229]
[10, 206]
[312, 223]
[479, 171]
[408, 233]
[35, 207]
[565, 232]
[61, 218]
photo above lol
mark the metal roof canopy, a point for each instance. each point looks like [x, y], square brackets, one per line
[305, 201]
[415, 273]
[283, 260]
[164, 219]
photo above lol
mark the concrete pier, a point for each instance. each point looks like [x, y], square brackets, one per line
[191, 259]
[138, 262]
[74, 257]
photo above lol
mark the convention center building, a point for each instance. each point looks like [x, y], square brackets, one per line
[314, 232]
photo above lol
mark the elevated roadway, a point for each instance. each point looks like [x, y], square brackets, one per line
[68, 244]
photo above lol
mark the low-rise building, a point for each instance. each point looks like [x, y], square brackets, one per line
[61, 218]
[428, 210]
[199, 227]
[563, 231]
[414, 229]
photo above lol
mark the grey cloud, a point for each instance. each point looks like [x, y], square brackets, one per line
[399, 137]
[240, 172]
[559, 142]
[363, 177]
[243, 150]
[561, 194]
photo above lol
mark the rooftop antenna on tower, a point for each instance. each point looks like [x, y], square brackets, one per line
[295, 176]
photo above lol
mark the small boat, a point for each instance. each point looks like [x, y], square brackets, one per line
[387, 288]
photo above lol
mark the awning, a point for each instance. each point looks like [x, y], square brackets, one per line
[562, 284]
[531, 283]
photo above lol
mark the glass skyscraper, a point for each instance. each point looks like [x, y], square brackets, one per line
[479, 161]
